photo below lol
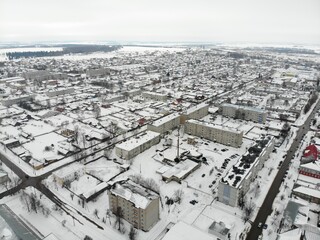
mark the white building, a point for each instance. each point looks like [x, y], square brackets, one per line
[137, 144]
[217, 133]
[69, 173]
[244, 112]
[165, 124]
[235, 184]
[155, 96]
[195, 112]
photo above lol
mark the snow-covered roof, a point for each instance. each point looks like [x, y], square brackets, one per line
[165, 119]
[242, 169]
[180, 169]
[312, 165]
[186, 232]
[215, 126]
[138, 140]
[94, 190]
[140, 196]
[71, 169]
[308, 191]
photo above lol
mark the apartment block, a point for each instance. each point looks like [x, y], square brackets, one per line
[224, 135]
[244, 112]
[195, 112]
[165, 124]
[236, 183]
[155, 96]
[137, 144]
[139, 205]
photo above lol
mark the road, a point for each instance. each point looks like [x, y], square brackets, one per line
[266, 207]
[21, 230]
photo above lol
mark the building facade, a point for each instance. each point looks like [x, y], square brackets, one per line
[196, 112]
[138, 205]
[137, 144]
[244, 112]
[227, 136]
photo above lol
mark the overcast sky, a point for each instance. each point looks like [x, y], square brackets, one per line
[261, 21]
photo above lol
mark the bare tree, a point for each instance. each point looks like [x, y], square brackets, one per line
[96, 212]
[119, 216]
[132, 233]
[178, 195]
[25, 200]
[248, 210]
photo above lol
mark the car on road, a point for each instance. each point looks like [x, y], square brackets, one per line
[265, 226]
[260, 237]
[260, 225]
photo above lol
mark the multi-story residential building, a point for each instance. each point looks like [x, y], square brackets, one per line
[236, 183]
[195, 112]
[244, 112]
[225, 135]
[138, 205]
[155, 96]
[165, 124]
[311, 169]
[17, 99]
[137, 144]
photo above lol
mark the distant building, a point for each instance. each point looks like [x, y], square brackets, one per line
[244, 112]
[155, 96]
[43, 75]
[236, 183]
[139, 205]
[196, 112]
[224, 135]
[17, 99]
[165, 124]
[60, 91]
[137, 144]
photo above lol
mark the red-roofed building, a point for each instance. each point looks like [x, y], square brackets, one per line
[310, 154]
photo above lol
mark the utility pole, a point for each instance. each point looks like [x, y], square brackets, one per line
[178, 142]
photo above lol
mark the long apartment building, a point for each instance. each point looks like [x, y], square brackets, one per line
[137, 144]
[236, 183]
[224, 135]
[139, 206]
[165, 124]
[244, 112]
[196, 112]
[155, 96]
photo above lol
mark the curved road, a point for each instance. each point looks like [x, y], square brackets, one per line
[266, 207]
